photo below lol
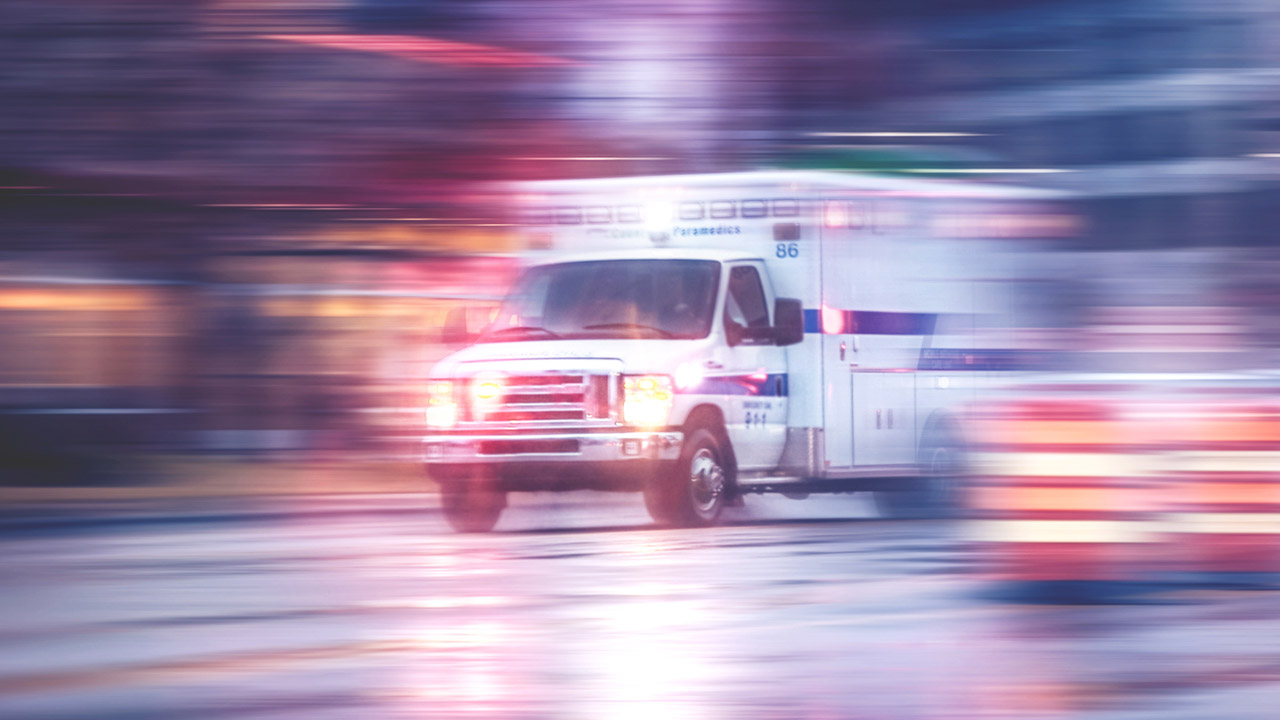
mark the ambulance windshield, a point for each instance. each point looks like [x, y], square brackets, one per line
[609, 299]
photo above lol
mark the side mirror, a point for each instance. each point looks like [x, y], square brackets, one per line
[788, 317]
[454, 331]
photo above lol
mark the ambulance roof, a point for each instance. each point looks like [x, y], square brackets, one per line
[795, 181]
[718, 255]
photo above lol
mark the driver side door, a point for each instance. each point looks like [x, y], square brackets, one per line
[753, 378]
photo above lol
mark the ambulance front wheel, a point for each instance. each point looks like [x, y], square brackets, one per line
[693, 493]
[471, 502]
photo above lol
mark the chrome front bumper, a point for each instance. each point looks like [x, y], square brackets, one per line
[559, 447]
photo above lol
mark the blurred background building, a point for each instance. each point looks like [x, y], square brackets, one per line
[238, 224]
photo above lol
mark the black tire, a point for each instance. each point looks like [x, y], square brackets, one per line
[694, 492]
[472, 503]
[656, 503]
[936, 492]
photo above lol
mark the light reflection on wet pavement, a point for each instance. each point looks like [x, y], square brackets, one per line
[583, 610]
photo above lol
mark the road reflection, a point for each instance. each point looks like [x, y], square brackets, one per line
[372, 617]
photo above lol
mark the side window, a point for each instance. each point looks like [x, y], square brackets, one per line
[745, 304]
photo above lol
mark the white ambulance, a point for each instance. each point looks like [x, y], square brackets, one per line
[696, 338]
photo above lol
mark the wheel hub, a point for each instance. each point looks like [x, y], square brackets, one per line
[707, 480]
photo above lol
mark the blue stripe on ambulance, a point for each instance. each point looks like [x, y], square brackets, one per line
[870, 322]
[757, 384]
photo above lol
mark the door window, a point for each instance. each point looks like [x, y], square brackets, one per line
[745, 304]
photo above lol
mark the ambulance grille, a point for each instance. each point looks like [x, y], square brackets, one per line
[546, 399]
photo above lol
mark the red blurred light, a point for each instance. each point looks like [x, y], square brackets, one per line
[424, 49]
[832, 321]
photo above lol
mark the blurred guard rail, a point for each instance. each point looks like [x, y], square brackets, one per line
[1223, 503]
[1074, 492]
[1062, 498]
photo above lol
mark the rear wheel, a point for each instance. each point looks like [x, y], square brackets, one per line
[472, 503]
[935, 493]
[693, 494]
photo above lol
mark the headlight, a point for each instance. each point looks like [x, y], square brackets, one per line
[646, 400]
[442, 409]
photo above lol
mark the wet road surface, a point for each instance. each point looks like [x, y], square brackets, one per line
[346, 607]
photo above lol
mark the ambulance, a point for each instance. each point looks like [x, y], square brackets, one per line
[698, 338]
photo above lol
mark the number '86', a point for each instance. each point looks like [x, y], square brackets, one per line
[787, 250]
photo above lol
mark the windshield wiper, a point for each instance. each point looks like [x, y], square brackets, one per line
[512, 330]
[629, 325]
